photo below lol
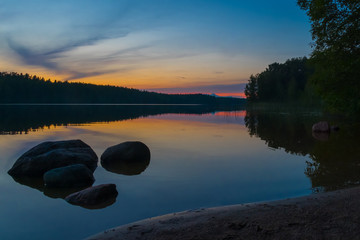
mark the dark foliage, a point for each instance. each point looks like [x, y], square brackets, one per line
[19, 88]
[335, 29]
[281, 82]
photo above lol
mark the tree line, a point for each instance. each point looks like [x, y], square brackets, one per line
[281, 82]
[24, 88]
[331, 74]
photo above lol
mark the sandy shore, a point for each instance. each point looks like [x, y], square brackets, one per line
[334, 215]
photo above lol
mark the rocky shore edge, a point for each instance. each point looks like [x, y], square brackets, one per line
[331, 215]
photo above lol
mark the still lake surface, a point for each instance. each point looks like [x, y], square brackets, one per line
[200, 157]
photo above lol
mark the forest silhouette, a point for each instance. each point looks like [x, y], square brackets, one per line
[24, 88]
[330, 76]
[282, 82]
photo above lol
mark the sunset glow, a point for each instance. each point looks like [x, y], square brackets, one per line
[151, 45]
[239, 95]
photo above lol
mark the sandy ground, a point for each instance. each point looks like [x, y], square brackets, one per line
[334, 215]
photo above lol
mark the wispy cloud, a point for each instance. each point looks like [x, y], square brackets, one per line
[47, 59]
[29, 57]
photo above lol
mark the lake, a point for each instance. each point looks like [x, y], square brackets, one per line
[201, 156]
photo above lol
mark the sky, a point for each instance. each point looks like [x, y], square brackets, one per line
[171, 46]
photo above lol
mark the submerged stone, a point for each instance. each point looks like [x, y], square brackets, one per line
[94, 197]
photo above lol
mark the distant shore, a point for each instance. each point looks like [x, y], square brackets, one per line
[332, 215]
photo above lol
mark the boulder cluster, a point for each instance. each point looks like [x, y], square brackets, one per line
[70, 164]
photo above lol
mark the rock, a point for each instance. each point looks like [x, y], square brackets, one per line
[321, 127]
[50, 155]
[76, 175]
[129, 158]
[94, 197]
[32, 182]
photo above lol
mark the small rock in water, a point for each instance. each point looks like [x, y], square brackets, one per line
[94, 197]
[129, 158]
[76, 175]
[321, 127]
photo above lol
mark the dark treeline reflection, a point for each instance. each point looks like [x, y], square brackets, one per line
[18, 119]
[334, 164]
[38, 183]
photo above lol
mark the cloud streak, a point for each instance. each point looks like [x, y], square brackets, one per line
[47, 59]
[29, 57]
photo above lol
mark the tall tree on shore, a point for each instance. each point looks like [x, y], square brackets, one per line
[335, 29]
[251, 90]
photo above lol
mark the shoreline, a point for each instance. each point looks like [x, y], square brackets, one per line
[331, 215]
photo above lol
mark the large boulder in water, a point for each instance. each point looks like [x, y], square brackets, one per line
[128, 158]
[94, 197]
[321, 127]
[50, 155]
[76, 175]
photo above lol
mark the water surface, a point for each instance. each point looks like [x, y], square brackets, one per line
[200, 157]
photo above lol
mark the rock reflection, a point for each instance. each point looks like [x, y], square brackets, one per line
[128, 167]
[104, 204]
[38, 184]
[334, 158]
[61, 192]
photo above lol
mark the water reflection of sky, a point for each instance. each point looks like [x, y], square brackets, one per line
[196, 161]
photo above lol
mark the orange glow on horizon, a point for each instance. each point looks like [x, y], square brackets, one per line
[231, 114]
[239, 95]
[152, 80]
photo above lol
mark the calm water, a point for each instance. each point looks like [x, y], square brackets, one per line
[200, 157]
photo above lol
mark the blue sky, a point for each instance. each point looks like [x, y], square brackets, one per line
[151, 44]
